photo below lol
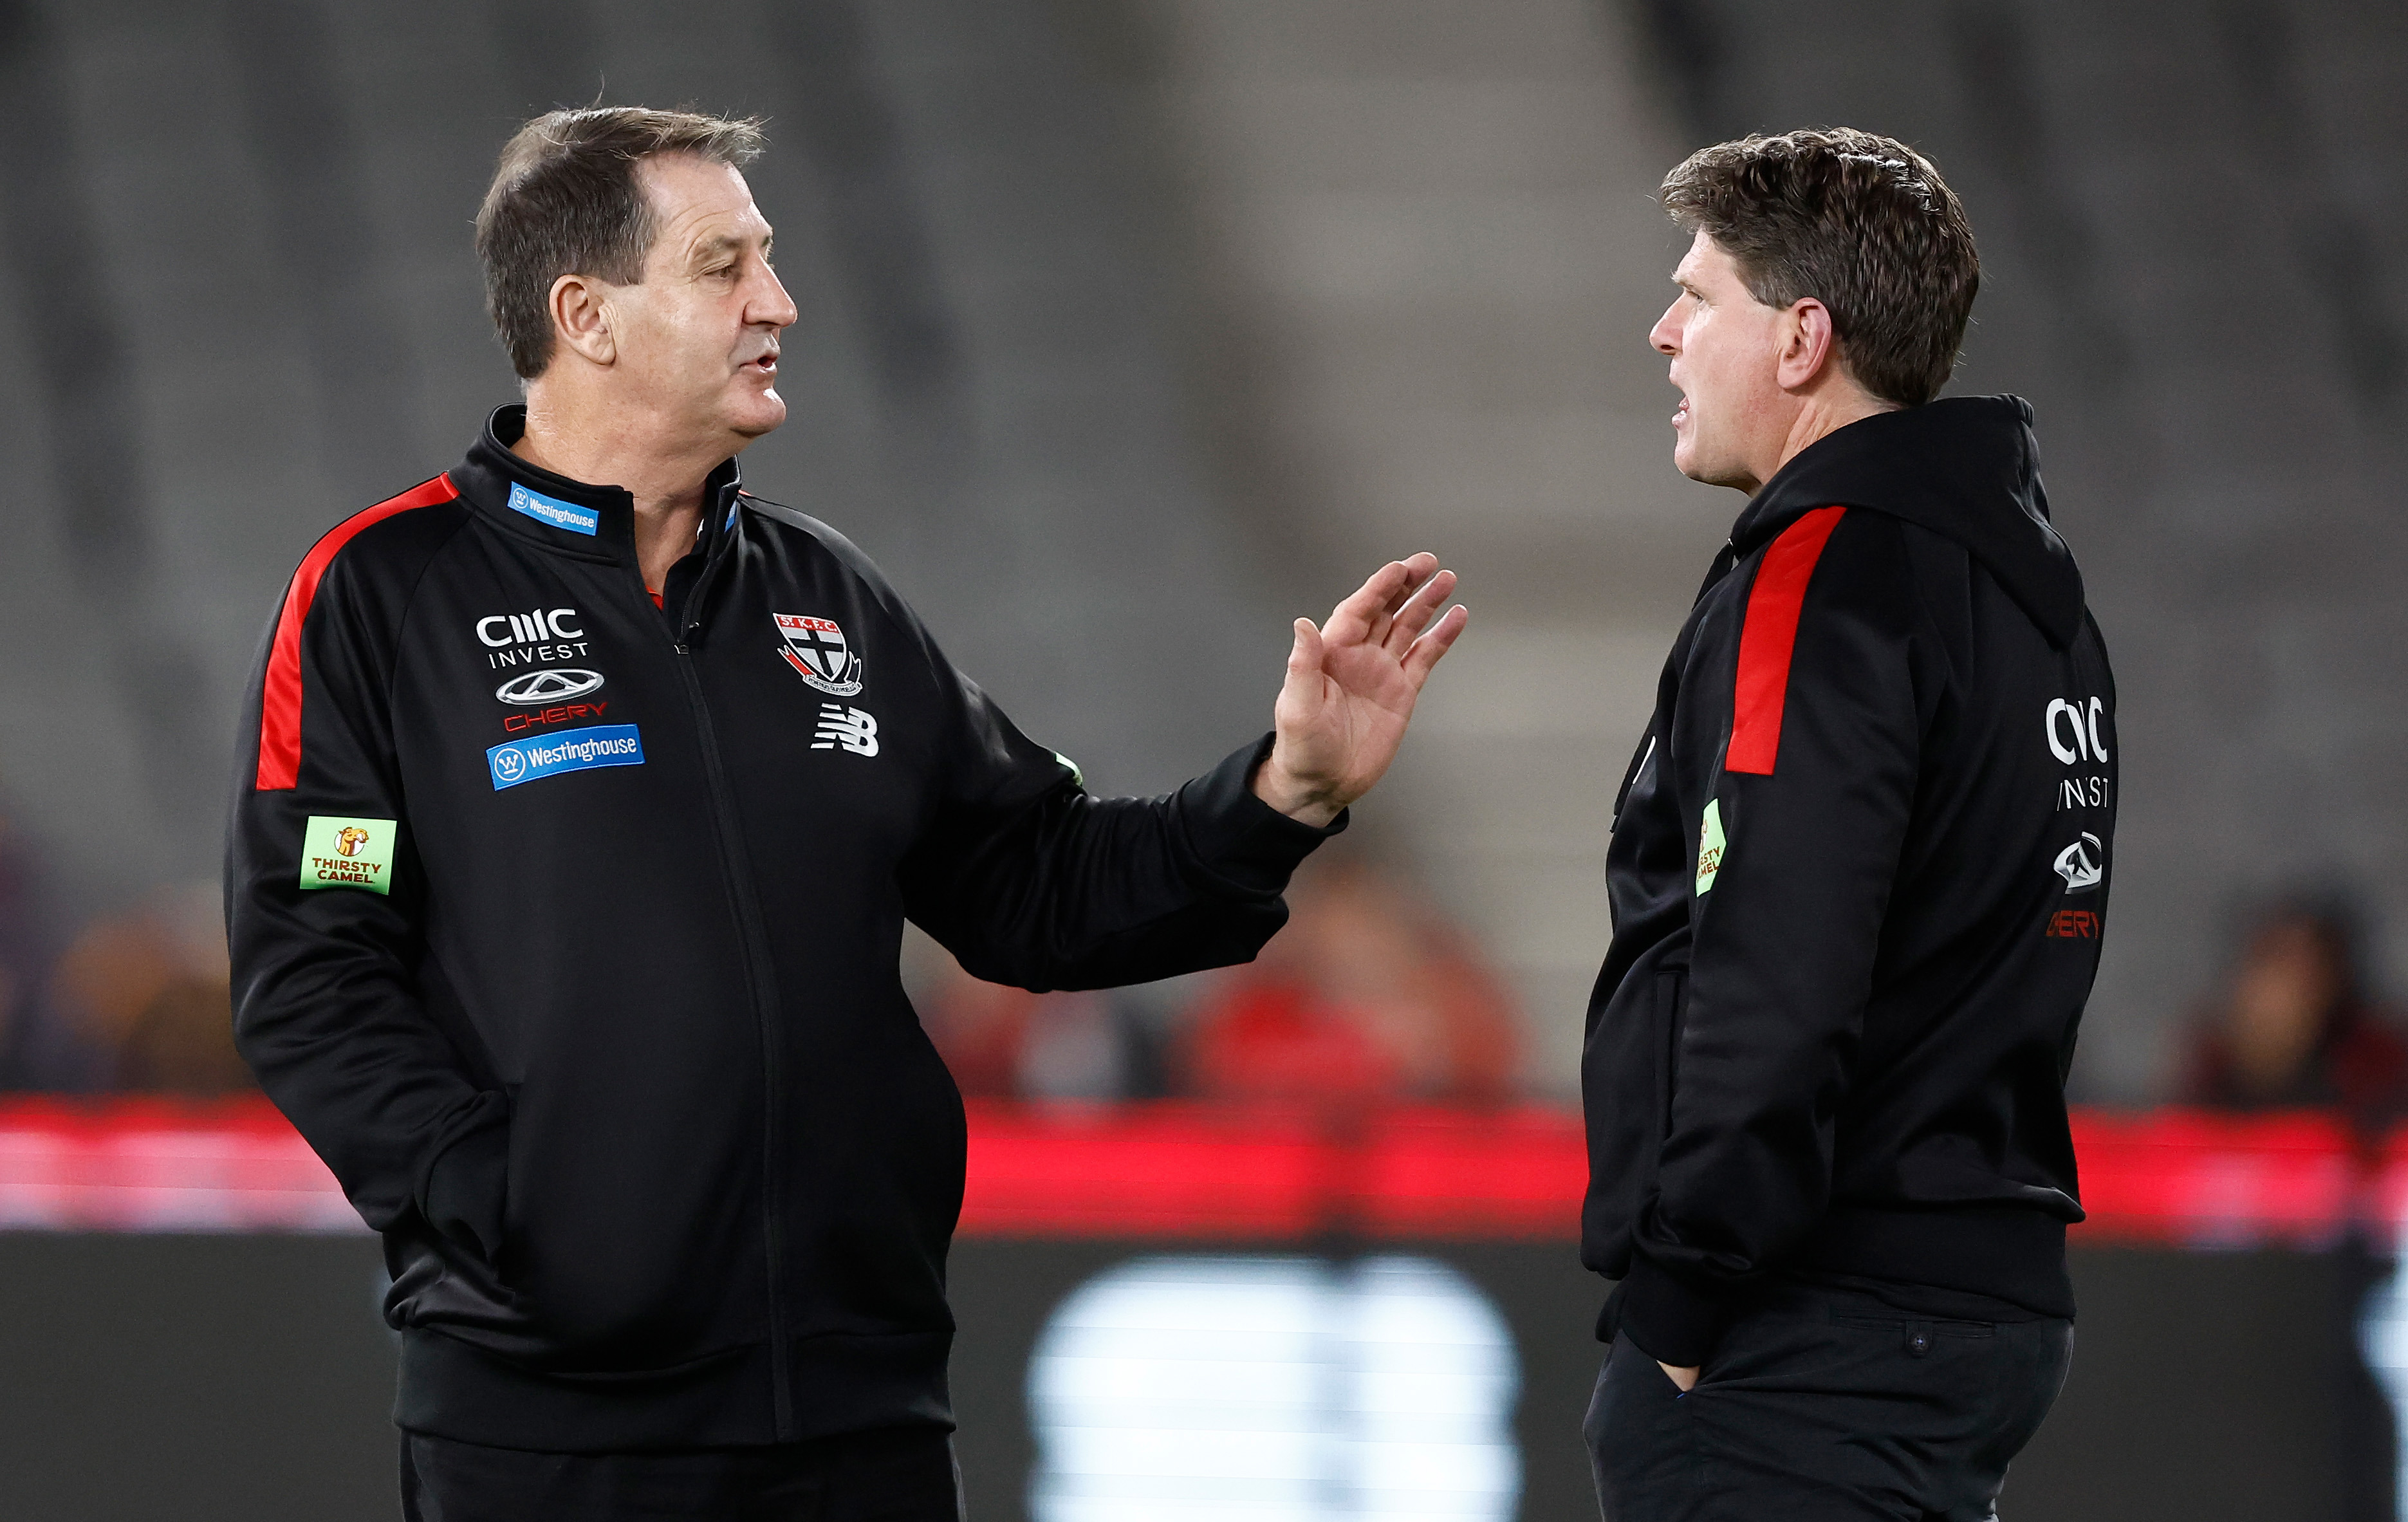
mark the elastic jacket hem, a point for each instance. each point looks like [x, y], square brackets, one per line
[838, 1384]
[1670, 1319]
[2012, 1252]
[2009, 1253]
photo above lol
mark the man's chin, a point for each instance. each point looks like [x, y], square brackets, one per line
[1692, 462]
[754, 419]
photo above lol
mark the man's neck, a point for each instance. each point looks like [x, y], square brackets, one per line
[1820, 414]
[665, 475]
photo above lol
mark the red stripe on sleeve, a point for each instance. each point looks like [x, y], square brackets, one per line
[280, 698]
[1770, 635]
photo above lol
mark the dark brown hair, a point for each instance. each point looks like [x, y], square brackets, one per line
[1860, 223]
[565, 201]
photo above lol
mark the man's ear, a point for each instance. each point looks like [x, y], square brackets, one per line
[1809, 344]
[580, 320]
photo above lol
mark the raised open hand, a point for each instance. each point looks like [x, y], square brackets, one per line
[1351, 688]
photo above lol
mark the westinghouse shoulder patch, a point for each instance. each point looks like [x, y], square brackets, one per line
[1709, 844]
[348, 854]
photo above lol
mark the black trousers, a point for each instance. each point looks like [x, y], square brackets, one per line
[1825, 1406]
[902, 1475]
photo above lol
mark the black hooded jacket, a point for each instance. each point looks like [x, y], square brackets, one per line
[1860, 874]
[565, 929]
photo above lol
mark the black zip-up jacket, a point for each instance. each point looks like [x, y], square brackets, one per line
[1859, 876]
[565, 927]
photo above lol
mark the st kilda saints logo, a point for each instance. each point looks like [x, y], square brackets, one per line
[817, 650]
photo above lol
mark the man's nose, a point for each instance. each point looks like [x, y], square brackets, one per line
[1666, 335]
[773, 307]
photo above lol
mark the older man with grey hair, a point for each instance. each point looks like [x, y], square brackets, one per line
[584, 797]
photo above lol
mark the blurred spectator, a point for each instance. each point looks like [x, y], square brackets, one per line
[21, 961]
[1369, 995]
[149, 990]
[2297, 1027]
[1009, 1044]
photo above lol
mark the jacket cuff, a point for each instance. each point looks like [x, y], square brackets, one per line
[1670, 1319]
[1236, 836]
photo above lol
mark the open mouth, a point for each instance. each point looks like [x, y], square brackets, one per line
[1680, 413]
[767, 364]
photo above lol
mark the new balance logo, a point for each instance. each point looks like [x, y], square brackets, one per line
[852, 728]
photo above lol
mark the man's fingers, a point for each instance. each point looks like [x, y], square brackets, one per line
[1366, 617]
[1362, 617]
[1304, 656]
[1428, 649]
[1418, 569]
[1418, 611]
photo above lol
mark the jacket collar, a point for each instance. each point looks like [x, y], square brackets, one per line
[570, 514]
[1965, 467]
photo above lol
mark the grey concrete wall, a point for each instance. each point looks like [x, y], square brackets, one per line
[1430, 220]
[2194, 229]
[243, 303]
[1133, 326]
[1424, 225]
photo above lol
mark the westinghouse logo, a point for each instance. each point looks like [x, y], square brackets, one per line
[348, 854]
[553, 511]
[576, 750]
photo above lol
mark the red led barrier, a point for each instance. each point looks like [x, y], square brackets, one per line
[1180, 1170]
[1142, 1171]
[2196, 1179]
[144, 1165]
[1177, 1170]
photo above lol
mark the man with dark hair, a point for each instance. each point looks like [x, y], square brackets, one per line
[583, 797]
[1859, 876]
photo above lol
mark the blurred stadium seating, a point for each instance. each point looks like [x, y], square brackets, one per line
[1131, 327]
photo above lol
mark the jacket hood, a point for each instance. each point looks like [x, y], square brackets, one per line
[1965, 467]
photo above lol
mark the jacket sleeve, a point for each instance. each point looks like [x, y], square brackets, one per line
[1031, 881]
[325, 930]
[1795, 841]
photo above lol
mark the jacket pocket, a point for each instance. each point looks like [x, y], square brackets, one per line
[1626, 1083]
[467, 1186]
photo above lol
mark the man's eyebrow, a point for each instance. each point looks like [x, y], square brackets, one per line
[719, 243]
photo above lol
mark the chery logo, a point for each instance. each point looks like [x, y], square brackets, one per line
[2082, 864]
[537, 688]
